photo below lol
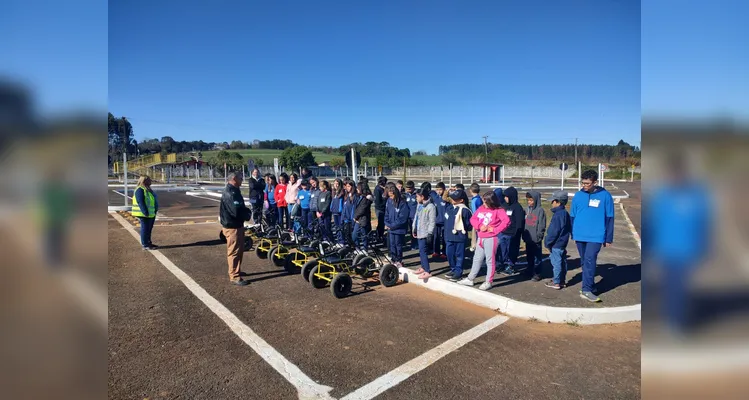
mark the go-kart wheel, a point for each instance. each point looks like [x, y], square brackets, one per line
[341, 285]
[261, 254]
[319, 283]
[357, 259]
[288, 264]
[221, 237]
[285, 237]
[309, 266]
[389, 275]
[278, 262]
[248, 242]
[364, 266]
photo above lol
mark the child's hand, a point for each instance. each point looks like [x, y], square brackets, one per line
[483, 228]
[490, 229]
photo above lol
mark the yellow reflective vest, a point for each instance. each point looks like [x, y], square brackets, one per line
[150, 204]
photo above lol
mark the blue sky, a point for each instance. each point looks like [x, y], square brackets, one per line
[416, 73]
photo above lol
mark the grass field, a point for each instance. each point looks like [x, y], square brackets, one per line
[268, 155]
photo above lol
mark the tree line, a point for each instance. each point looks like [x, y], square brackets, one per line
[621, 152]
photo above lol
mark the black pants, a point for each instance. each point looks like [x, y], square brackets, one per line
[257, 212]
[380, 223]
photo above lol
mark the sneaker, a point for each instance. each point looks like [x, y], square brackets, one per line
[465, 282]
[590, 297]
[425, 275]
[240, 282]
[508, 271]
[453, 277]
[443, 256]
[472, 249]
[536, 278]
[434, 255]
[551, 284]
[485, 286]
[153, 246]
[419, 271]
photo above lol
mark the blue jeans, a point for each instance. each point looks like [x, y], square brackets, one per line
[146, 227]
[290, 220]
[423, 254]
[677, 298]
[455, 255]
[283, 216]
[359, 234]
[559, 265]
[588, 259]
[439, 239]
[395, 242]
[503, 251]
[534, 256]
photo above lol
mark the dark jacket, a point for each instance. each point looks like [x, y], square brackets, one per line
[515, 212]
[560, 228]
[535, 220]
[441, 204]
[363, 211]
[322, 200]
[313, 201]
[452, 214]
[257, 187]
[233, 212]
[349, 206]
[410, 199]
[379, 198]
[336, 205]
[396, 218]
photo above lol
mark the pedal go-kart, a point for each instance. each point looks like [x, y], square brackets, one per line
[338, 269]
[300, 255]
[270, 240]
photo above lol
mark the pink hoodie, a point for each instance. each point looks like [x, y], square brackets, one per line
[496, 220]
[292, 191]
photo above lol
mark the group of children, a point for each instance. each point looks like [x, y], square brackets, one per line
[440, 221]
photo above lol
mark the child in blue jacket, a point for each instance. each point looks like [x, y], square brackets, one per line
[457, 228]
[413, 204]
[439, 231]
[396, 222]
[304, 202]
[557, 237]
[336, 208]
[349, 205]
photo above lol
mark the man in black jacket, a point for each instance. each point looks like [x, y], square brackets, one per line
[380, 200]
[257, 191]
[233, 213]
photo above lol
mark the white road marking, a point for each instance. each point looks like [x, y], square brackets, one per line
[306, 387]
[419, 363]
[631, 227]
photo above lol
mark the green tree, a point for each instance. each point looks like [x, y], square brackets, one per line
[297, 157]
[338, 163]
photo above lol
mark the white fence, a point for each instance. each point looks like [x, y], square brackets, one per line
[477, 172]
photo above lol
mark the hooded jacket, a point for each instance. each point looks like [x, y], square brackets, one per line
[452, 213]
[336, 204]
[441, 205]
[593, 216]
[362, 211]
[559, 229]
[410, 199]
[379, 198]
[495, 220]
[515, 211]
[280, 195]
[396, 217]
[535, 220]
[423, 223]
[291, 191]
[314, 195]
[349, 205]
[256, 190]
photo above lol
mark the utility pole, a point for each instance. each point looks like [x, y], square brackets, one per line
[486, 149]
[576, 153]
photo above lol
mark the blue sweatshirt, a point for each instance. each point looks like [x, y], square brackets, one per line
[412, 204]
[396, 218]
[452, 214]
[593, 216]
[348, 208]
[476, 202]
[441, 204]
[270, 191]
[304, 198]
[313, 194]
[336, 205]
[558, 232]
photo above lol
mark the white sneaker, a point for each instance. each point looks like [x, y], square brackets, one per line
[485, 286]
[465, 282]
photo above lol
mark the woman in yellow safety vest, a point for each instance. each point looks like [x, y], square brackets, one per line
[145, 207]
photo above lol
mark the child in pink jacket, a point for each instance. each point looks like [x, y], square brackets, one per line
[488, 221]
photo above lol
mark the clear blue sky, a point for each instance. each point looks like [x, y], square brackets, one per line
[413, 73]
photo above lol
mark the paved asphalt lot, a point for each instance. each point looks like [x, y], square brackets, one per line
[166, 342]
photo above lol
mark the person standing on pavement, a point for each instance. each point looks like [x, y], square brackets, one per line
[292, 190]
[457, 230]
[592, 214]
[396, 222]
[380, 202]
[323, 200]
[257, 187]
[488, 220]
[233, 213]
[145, 207]
[510, 238]
[423, 231]
[410, 196]
[533, 235]
[280, 197]
[314, 195]
[557, 239]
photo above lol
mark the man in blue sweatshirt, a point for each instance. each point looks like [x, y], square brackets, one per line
[592, 214]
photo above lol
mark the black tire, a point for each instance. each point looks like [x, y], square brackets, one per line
[341, 285]
[260, 253]
[248, 242]
[357, 259]
[288, 264]
[308, 267]
[316, 282]
[389, 275]
[221, 237]
[285, 237]
[364, 266]
[278, 262]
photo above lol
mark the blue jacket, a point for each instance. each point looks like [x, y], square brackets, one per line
[412, 204]
[270, 192]
[500, 195]
[304, 198]
[593, 216]
[452, 214]
[336, 205]
[441, 204]
[396, 219]
[313, 194]
[349, 206]
[558, 232]
[476, 202]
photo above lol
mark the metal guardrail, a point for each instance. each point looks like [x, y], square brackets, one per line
[145, 162]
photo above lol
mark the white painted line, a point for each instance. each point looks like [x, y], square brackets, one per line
[306, 387]
[198, 195]
[631, 227]
[122, 194]
[514, 308]
[421, 362]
